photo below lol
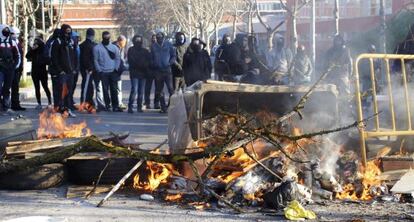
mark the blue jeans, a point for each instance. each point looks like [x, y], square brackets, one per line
[110, 89]
[100, 104]
[137, 92]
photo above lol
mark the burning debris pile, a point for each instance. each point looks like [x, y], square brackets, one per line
[243, 160]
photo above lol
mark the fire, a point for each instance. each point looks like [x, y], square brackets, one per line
[173, 197]
[53, 125]
[158, 174]
[369, 177]
[228, 178]
[86, 107]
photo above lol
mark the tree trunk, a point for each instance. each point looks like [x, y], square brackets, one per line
[270, 36]
[294, 28]
[336, 16]
[25, 47]
[234, 25]
[216, 33]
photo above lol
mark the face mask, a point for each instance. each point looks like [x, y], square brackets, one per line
[138, 43]
[160, 40]
[227, 41]
[5, 33]
[181, 39]
[105, 41]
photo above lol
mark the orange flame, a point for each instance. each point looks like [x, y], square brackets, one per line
[86, 107]
[158, 174]
[173, 197]
[53, 125]
[369, 177]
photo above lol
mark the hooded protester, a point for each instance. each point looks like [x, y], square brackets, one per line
[107, 59]
[76, 40]
[279, 59]
[10, 60]
[149, 81]
[64, 60]
[121, 43]
[163, 56]
[197, 63]
[177, 67]
[56, 86]
[221, 66]
[15, 96]
[339, 64]
[339, 59]
[139, 59]
[89, 75]
[39, 61]
[301, 67]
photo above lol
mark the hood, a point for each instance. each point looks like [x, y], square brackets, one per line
[39, 42]
[63, 28]
[56, 33]
[2, 26]
[176, 38]
[239, 39]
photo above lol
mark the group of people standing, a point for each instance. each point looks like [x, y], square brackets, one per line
[161, 63]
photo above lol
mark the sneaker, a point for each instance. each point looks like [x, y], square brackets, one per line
[145, 107]
[119, 110]
[10, 112]
[71, 114]
[122, 106]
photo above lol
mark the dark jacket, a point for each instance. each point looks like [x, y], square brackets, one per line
[180, 49]
[86, 55]
[64, 55]
[230, 60]
[196, 66]
[38, 58]
[163, 56]
[139, 59]
[49, 45]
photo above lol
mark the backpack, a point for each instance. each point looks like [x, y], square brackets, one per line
[6, 54]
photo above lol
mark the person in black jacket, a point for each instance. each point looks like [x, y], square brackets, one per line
[63, 57]
[177, 67]
[89, 76]
[149, 81]
[196, 63]
[139, 59]
[56, 86]
[38, 58]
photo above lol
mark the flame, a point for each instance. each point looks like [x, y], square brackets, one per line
[200, 205]
[369, 177]
[53, 125]
[228, 178]
[86, 107]
[158, 174]
[173, 197]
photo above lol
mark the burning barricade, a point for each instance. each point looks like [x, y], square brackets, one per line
[249, 157]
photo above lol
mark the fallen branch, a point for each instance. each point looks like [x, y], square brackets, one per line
[98, 180]
[120, 183]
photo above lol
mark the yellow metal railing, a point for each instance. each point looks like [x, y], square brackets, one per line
[377, 131]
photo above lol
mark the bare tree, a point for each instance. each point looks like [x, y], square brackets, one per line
[270, 31]
[292, 14]
[237, 10]
[205, 16]
[141, 16]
